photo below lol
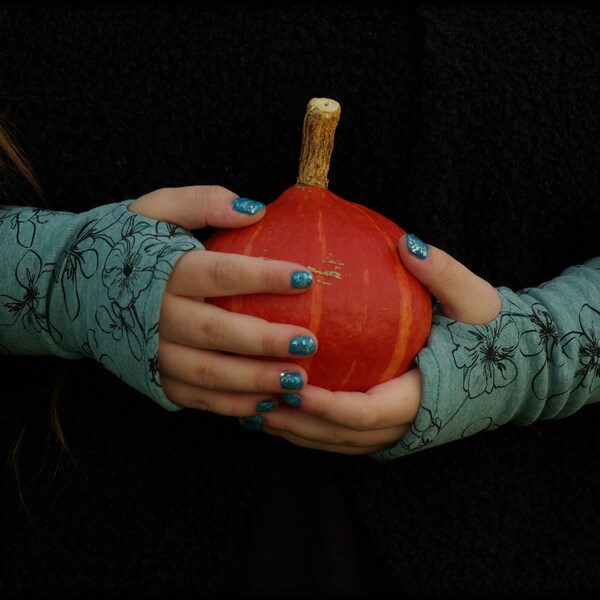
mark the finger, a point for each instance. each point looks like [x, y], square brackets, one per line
[200, 325]
[323, 447]
[395, 402]
[228, 404]
[463, 295]
[197, 206]
[309, 431]
[206, 274]
[390, 404]
[218, 371]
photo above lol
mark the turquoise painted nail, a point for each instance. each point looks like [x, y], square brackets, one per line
[416, 246]
[290, 380]
[292, 399]
[266, 405]
[247, 206]
[302, 345]
[301, 279]
[254, 423]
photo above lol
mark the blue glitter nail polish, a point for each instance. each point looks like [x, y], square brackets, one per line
[416, 246]
[292, 399]
[302, 345]
[290, 380]
[266, 405]
[254, 423]
[247, 206]
[301, 279]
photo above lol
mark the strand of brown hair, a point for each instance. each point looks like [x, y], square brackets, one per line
[13, 158]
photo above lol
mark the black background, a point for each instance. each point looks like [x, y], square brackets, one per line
[473, 126]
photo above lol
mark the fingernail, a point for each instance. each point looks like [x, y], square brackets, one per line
[302, 345]
[292, 399]
[290, 380]
[301, 279]
[247, 206]
[254, 423]
[416, 246]
[266, 406]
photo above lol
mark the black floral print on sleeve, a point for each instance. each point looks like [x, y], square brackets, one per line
[27, 307]
[25, 223]
[98, 295]
[519, 350]
[486, 355]
[584, 344]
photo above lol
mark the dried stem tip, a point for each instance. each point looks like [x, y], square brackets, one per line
[320, 121]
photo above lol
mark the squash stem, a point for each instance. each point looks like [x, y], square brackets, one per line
[320, 122]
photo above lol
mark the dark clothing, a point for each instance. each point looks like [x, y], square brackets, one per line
[477, 127]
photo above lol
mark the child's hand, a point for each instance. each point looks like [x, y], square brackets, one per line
[198, 342]
[359, 423]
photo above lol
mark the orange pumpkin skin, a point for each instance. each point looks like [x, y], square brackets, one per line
[370, 315]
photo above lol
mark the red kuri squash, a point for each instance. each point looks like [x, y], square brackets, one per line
[369, 314]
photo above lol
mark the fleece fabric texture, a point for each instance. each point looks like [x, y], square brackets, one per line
[538, 359]
[474, 126]
[88, 285]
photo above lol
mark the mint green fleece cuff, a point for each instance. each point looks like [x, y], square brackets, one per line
[539, 359]
[89, 284]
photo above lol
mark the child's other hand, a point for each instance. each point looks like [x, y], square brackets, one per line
[199, 343]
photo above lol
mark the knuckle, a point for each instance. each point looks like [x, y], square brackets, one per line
[204, 195]
[200, 403]
[261, 381]
[271, 276]
[339, 438]
[223, 273]
[206, 374]
[213, 331]
[366, 420]
[215, 402]
[448, 269]
[270, 344]
[206, 401]
[214, 191]
[201, 196]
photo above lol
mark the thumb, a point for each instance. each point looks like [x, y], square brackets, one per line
[197, 206]
[463, 295]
